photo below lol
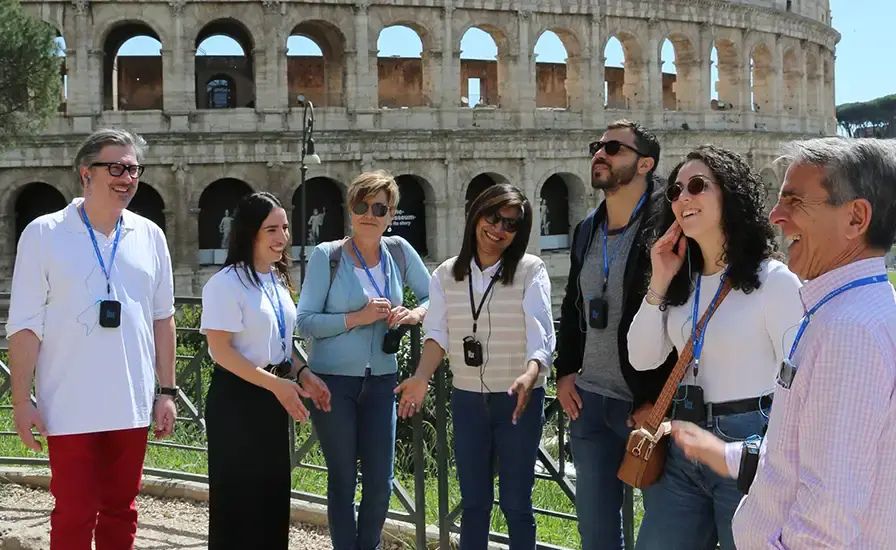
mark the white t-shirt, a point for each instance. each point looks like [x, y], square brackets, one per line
[746, 339]
[231, 302]
[377, 275]
[91, 378]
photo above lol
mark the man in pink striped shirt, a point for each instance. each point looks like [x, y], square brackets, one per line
[826, 475]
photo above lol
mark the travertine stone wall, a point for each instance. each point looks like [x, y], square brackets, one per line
[775, 83]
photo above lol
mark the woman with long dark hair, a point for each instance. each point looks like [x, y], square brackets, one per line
[248, 316]
[712, 230]
[490, 313]
[352, 312]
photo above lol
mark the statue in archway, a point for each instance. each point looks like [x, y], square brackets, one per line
[545, 220]
[224, 229]
[315, 221]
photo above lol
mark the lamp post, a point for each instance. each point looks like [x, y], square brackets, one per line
[308, 157]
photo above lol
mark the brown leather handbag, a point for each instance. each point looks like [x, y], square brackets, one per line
[645, 452]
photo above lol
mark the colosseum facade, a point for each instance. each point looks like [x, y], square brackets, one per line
[220, 126]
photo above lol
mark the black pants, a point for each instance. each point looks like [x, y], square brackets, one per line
[248, 466]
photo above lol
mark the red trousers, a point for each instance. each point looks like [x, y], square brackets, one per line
[95, 480]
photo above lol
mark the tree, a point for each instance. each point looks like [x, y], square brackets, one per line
[30, 79]
[875, 117]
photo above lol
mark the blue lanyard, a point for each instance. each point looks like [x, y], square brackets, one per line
[96, 247]
[369, 276]
[278, 311]
[808, 316]
[608, 258]
[699, 336]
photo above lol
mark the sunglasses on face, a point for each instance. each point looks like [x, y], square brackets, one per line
[378, 209]
[611, 147]
[695, 186]
[511, 225]
[116, 169]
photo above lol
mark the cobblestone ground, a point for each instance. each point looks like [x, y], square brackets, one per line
[164, 523]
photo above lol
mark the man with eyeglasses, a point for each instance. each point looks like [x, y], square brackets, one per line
[596, 385]
[91, 314]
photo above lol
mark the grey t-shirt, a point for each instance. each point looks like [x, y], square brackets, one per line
[600, 364]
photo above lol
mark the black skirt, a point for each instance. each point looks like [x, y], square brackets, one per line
[248, 466]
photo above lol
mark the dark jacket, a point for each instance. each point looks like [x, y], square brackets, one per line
[645, 385]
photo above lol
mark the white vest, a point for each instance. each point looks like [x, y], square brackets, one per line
[501, 329]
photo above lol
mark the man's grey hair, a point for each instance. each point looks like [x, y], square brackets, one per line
[91, 147]
[856, 168]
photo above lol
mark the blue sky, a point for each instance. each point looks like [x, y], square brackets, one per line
[864, 69]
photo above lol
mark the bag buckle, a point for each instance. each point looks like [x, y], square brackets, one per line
[648, 440]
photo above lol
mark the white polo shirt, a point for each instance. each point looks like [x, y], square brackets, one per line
[91, 378]
[231, 302]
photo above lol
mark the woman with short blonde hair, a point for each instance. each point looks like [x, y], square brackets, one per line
[350, 310]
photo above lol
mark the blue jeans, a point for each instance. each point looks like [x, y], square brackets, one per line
[690, 507]
[598, 438]
[360, 426]
[485, 440]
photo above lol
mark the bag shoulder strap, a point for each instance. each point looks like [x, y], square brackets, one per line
[658, 413]
[335, 257]
[396, 250]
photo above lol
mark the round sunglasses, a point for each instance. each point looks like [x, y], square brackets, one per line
[378, 209]
[695, 186]
[611, 147]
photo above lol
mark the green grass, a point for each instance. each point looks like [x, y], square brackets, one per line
[892, 275]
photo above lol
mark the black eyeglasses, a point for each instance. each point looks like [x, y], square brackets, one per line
[611, 147]
[116, 168]
[511, 225]
[695, 186]
[378, 209]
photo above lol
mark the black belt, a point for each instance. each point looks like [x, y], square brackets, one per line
[750, 404]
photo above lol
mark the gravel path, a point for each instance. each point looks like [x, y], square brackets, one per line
[164, 523]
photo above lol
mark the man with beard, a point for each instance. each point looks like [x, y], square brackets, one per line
[596, 385]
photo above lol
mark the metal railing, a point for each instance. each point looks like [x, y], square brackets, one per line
[192, 376]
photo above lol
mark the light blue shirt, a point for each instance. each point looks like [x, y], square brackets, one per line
[322, 308]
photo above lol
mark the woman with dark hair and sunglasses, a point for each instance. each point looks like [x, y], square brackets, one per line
[499, 339]
[351, 311]
[713, 229]
[248, 316]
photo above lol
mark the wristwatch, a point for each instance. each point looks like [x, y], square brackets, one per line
[167, 391]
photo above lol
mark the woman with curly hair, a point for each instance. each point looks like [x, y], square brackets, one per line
[713, 229]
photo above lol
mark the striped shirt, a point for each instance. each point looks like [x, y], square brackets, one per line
[827, 473]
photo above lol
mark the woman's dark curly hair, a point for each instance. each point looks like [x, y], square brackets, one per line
[749, 236]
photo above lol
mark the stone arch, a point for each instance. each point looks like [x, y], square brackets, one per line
[131, 82]
[238, 68]
[813, 83]
[149, 203]
[325, 218]
[412, 219]
[403, 81]
[553, 208]
[494, 74]
[725, 75]
[580, 194]
[681, 88]
[480, 183]
[32, 200]
[217, 203]
[557, 84]
[626, 86]
[321, 80]
[793, 81]
[762, 79]
[772, 183]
